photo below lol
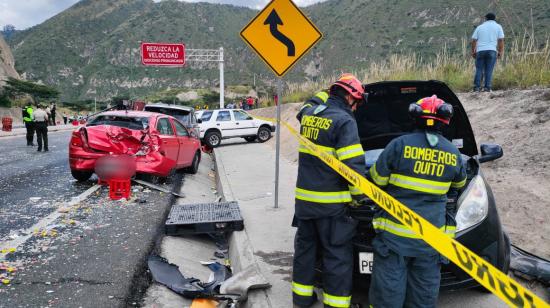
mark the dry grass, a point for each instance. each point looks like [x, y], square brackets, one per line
[525, 64]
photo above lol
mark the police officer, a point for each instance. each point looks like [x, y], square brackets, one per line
[41, 123]
[29, 125]
[322, 196]
[418, 169]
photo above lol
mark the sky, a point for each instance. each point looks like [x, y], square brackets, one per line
[27, 13]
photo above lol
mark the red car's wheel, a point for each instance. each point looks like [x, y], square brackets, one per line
[81, 176]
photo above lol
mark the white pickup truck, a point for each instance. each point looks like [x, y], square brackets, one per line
[221, 124]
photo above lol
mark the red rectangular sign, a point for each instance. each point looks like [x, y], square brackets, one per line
[163, 54]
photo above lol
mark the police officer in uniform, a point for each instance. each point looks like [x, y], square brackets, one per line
[322, 196]
[419, 170]
[29, 125]
[41, 124]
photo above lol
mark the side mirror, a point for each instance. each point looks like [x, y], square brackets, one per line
[250, 118]
[199, 121]
[490, 152]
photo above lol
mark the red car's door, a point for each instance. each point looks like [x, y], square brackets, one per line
[187, 144]
[169, 141]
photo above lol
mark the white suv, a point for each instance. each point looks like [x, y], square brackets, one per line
[221, 124]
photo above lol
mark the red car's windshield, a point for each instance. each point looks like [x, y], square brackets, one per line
[136, 123]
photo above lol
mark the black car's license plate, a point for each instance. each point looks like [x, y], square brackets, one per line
[366, 259]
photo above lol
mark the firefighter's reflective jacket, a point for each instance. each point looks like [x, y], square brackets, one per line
[319, 99]
[320, 191]
[420, 176]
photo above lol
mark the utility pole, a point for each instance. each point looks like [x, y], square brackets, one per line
[222, 81]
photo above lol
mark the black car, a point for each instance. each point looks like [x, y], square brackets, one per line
[384, 117]
[185, 114]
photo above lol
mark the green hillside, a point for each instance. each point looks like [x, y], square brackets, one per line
[94, 45]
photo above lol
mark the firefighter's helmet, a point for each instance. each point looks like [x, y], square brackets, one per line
[351, 84]
[431, 108]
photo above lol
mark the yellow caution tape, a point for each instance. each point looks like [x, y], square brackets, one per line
[507, 289]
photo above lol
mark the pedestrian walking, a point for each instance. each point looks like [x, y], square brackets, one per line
[27, 113]
[64, 114]
[487, 46]
[322, 196]
[418, 169]
[41, 123]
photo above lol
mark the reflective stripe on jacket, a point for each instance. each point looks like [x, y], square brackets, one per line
[420, 176]
[320, 191]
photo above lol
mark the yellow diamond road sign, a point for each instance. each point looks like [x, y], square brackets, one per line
[281, 34]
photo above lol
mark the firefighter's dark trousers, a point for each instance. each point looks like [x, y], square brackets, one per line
[30, 132]
[398, 281]
[332, 238]
[42, 135]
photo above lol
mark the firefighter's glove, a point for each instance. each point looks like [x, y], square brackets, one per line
[358, 201]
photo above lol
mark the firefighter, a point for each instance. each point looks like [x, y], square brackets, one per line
[322, 196]
[26, 112]
[418, 169]
[318, 99]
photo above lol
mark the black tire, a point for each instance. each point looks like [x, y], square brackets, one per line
[194, 168]
[213, 139]
[264, 134]
[81, 176]
[250, 138]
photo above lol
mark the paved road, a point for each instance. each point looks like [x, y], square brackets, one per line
[26, 173]
[91, 253]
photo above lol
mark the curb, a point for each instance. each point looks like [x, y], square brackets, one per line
[241, 252]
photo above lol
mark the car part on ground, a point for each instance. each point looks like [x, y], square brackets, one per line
[250, 278]
[169, 275]
[204, 218]
[529, 266]
[159, 188]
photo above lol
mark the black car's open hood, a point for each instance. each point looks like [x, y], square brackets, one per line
[385, 115]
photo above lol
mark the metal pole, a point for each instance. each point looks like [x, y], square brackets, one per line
[131, 71]
[278, 139]
[95, 105]
[222, 94]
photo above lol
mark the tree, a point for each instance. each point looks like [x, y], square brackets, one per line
[8, 31]
[15, 87]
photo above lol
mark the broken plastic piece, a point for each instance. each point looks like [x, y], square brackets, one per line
[169, 275]
[204, 303]
[530, 265]
[159, 188]
[248, 279]
[220, 273]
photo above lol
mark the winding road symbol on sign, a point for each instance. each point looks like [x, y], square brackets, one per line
[273, 20]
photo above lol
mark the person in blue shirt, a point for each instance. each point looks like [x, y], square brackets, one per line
[487, 46]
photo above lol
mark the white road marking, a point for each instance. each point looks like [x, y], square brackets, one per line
[44, 222]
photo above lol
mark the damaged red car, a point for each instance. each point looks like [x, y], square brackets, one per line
[159, 143]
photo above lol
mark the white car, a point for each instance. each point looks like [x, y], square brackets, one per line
[221, 124]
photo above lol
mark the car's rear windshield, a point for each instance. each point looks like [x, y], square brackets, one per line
[182, 115]
[137, 123]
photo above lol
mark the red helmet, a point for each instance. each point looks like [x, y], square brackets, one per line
[432, 108]
[351, 84]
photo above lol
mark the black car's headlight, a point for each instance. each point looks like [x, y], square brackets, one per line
[473, 205]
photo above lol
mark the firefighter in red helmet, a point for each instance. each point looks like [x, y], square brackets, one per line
[419, 169]
[322, 195]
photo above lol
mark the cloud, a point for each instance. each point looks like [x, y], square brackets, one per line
[27, 13]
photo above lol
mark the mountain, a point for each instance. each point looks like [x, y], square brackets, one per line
[92, 48]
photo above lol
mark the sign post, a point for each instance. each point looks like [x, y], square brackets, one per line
[280, 34]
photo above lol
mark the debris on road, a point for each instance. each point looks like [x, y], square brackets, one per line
[169, 275]
[156, 187]
[248, 279]
[529, 266]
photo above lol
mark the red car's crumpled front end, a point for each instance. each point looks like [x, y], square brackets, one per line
[90, 143]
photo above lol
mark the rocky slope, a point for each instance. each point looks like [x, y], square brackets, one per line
[7, 63]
